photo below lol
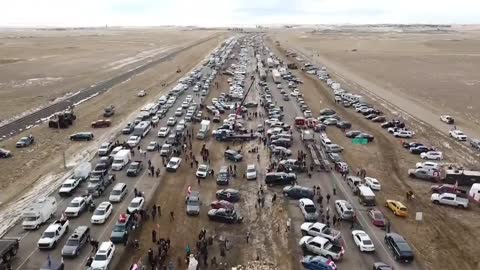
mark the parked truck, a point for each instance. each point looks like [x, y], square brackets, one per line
[204, 128]
[39, 212]
[449, 199]
[277, 78]
[8, 250]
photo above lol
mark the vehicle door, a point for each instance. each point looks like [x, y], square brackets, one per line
[449, 200]
[316, 247]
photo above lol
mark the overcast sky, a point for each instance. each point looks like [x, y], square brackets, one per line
[234, 12]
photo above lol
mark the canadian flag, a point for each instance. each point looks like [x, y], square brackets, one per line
[189, 190]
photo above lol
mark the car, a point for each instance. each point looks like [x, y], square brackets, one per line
[280, 150]
[317, 263]
[233, 155]
[365, 136]
[136, 205]
[153, 146]
[398, 245]
[363, 241]
[77, 205]
[193, 203]
[251, 172]
[173, 164]
[171, 121]
[321, 246]
[308, 209]
[447, 119]
[371, 116]
[79, 238]
[417, 150]
[101, 213]
[344, 125]
[202, 171]
[133, 141]
[379, 119]
[284, 142]
[25, 141]
[101, 123]
[179, 112]
[397, 208]
[432, 155]
[163, 132]
[377, 217]
[141, 93]
[122, 228]
[457, 135]
[135, 168]
[352, 133]
[334, 157]
[344, 209]
[53, 234]
[475, 143]
[155, 119]
[4, 153]
[104, 256]
[327, 112]
[330, 121]
[403, 134]
[224, 215]
[428, 165]
[381, 266]
[228, 194]
[128, 129]
[105, 149]
[409, 145]
[82, 136]
[372, 183]
[222, 204]
[297, 192]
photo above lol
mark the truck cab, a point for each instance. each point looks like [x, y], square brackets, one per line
[449, 199]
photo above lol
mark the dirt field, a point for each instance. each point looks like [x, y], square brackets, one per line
[446, 239]
[436, 70]
[29, 165]
[40, 66]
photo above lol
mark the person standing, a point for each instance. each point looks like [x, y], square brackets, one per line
[248, 236]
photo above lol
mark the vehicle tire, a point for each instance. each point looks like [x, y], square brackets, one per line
[7, 257]
[330, 257]
[460, 206]
[37, 227]
[14, 251]
[395, 256]
[436, 202]
[54, 244]
[438, 158]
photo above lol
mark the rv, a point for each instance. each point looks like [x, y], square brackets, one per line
[462, 177]
[142, 129]
[38, 213]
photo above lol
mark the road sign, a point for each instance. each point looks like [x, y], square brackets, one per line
[360, 141]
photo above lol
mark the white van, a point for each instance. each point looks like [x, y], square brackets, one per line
[366, 195]
[118, 192]
[121, 159]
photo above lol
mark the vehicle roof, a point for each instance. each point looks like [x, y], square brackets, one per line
[104, 247]
[175, 159]
[318, 239]
[78, 199]
[70, 181]
[78, 231]
[306, 201]
[103, 205]
[137, 199]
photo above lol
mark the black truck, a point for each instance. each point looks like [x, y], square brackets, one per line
[8, 250]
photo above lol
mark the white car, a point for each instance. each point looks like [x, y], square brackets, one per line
[403, 134]
[251, 172]
[279, 86]
[373, 183]
[308, 209]
[171, 121]
[457, 135]
[196, 88]
[152, 146]
[447, 119]
[179, 112]
[155, 119]
[428, 165]
[102, 213]
[163, 132]
[133, 141]
[135, 205]
[142, 93]
[184, 105]
[432, 155]
[76, 206]
[202, 171]
[104, 256]
[173, 164]
[363, 241]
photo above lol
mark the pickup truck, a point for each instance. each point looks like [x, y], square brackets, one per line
[424, 174]
[96, 186]
[68, 187]
[449, 199]
[52, 235]
[321, 246]
[78, 205]
[8, 250]
[320, 229]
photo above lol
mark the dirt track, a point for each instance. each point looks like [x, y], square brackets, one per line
[446, 239]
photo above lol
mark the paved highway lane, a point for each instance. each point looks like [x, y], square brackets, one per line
[30, 257]
[353, 259]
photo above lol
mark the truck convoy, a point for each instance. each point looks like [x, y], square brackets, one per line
[39, 212]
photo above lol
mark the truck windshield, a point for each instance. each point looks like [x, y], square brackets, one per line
[72, 242]
[310, 209]
[67, 185]
[48, 234]
[117, 161]
[119, 228]
[73, 204]
[100, 257]
[30, 218]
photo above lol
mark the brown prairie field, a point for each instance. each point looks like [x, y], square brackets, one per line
[39, 66]
[437, 70]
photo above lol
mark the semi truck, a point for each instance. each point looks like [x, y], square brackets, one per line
[277, 78]
[39, 212]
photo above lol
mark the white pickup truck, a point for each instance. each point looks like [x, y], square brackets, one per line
[68, 187]
[457, 135]
[52, 235]
[449, 199]
[320, 229]
[321, 246]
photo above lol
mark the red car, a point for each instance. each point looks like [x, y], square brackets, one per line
[377, 217]
[222, 204]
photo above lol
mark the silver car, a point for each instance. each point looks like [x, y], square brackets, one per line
[193, 203]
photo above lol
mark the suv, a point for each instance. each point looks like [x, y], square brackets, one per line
[122, 228]
[135, 168]
[76, 241]
[104, 256]
[344, 209]
[233, 155]
[193, 203]
[82, 136]
[399, 246]
[280, 178]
